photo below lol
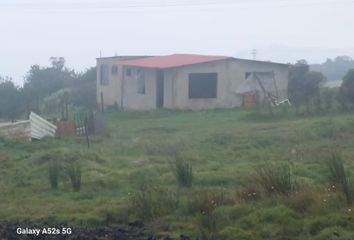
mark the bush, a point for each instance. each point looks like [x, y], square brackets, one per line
[183, 172]
[302, 201]
[249, 193]
[328, 98]
[276, 179]
[149, 202]
[346, 91]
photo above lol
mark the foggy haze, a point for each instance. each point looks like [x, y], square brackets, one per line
[281, 31]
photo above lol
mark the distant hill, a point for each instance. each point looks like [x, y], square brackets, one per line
[334, 69]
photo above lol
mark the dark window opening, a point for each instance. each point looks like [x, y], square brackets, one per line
[104, 72]
[114, 70]
[247, 74]
[128, 72]
[202, 85]
[140, 82]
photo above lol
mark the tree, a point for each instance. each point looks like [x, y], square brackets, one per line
[11, 102]
[41, 82]
[346, 91]
[303, 84]
[84, 89]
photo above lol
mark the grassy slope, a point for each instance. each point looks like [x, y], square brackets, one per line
[224, 147]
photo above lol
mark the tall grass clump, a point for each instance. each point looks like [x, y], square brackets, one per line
[183, 172]
[339, 175]
[149, 202]
[54, 169]
[74, 173]
[276, 179]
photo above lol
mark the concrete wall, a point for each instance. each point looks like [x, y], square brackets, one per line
[177, 84]
[132, 100]
[231, 73]
[112, 91]
[122, 89]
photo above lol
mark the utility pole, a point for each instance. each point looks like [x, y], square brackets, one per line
[254, 54]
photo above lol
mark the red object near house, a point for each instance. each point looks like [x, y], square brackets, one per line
[250, 99]
[66, 128]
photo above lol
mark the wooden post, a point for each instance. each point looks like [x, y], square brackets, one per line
[86, 133]
[66, 110]
[102, 103]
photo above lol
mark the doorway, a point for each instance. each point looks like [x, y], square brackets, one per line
[159, 89]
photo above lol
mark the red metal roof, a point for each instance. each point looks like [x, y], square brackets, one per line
[171, 61]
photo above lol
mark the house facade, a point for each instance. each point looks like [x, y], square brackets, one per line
[181, 81]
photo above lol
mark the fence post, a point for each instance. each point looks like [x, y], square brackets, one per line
[102, 103]
[86, 133]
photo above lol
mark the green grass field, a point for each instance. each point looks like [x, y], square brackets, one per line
[127, 176]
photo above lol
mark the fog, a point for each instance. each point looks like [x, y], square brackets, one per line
[282, 31]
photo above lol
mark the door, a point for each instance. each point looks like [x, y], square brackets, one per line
[159, 89]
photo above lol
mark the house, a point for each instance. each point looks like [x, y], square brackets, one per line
[185, 81]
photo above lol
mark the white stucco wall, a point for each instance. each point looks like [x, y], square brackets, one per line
[132, 100]
[112, 91]
[231, 73]
[122, 89]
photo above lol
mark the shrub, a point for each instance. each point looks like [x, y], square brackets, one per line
[149, 202]
[206, 203]
[74, 173]
[276, 179]
[249, 193]
[302, 201]
[183, 172]
[54, 170]
[328, 98]
[338, 175]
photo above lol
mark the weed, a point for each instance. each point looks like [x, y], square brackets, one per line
[207, 218]
[183, 172]
[276, 179]
[54, 169]
[249, 193]
[149, 202]
[338, 175]
[303, 200]
[74, 173]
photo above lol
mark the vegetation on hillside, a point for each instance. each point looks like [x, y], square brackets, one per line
[334, 69]
[48, 90]
[222, 174]
[254, 177]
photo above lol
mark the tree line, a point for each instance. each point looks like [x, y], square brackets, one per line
[53, 88]
[334, 69]
[47, 89]
[305, 89]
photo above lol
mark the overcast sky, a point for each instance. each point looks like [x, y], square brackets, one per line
[281, 30]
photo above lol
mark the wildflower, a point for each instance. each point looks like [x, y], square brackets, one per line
[324, 200]
[254, 194]
[349, 210]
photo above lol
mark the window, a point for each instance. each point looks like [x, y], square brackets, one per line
[114, 70]
[140, 82]
[247, 74]
[128, 72]
[202, 85]
[104, 72]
